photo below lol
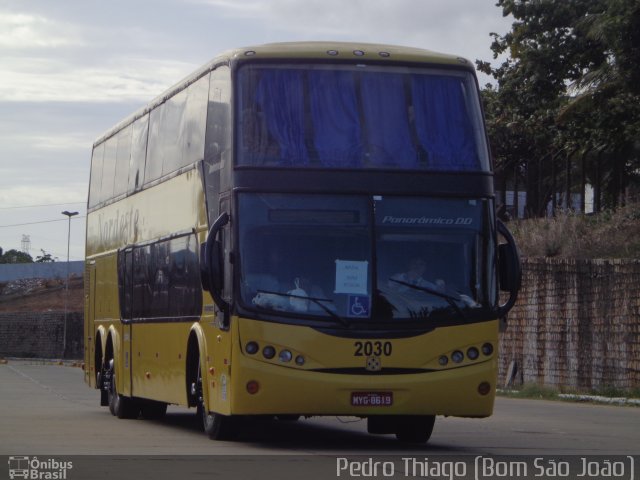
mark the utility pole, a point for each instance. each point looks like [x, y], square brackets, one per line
[66, 288]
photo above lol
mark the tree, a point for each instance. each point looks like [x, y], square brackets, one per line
[45, 257]
[14, 256]
[612, 89]
[564, 111]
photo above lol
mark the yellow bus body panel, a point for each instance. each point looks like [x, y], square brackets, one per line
[311, 389]
[172, 207]
[150, 357]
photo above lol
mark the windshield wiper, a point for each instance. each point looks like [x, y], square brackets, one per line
[451, 300]
[317, 301]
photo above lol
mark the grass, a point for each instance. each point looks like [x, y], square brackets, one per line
[610, 234]
[532, 390]
[542, 392]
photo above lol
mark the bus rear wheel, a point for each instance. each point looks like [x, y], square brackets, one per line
[119, 406]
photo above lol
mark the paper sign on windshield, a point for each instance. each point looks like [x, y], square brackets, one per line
[351, 277]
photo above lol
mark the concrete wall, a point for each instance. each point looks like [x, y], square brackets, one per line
[576, 324]
[40, 335]
[17, 271]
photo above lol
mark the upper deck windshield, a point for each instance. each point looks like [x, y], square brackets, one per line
[359, 116]
[347, 259]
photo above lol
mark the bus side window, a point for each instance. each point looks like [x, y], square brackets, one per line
[218, 136]
[140, 131]
[95, 184]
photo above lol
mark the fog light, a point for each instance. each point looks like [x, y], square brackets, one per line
[269, 352]
[251, 348]
[484, 388]
[443, 360]
[300, 360]
[487, 349]
[473, 353]
[285, 356]
[457, 356]
[253, 387]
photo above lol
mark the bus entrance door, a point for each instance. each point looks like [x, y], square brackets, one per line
[126, 310]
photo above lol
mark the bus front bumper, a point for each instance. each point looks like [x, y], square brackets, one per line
[266, 389]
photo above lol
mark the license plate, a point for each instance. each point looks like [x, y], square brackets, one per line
[371, 399]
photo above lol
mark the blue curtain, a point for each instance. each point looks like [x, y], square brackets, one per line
[280, 94]
[334, 112]
[443, 125]
[381, 134]
[386, 118]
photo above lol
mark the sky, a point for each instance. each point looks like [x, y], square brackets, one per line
[71, 69]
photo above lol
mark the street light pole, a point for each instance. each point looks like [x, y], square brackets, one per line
[66, 296]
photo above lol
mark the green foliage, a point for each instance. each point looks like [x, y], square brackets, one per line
[14, 256]
[45, 257]
[567, 94]
[533, 390]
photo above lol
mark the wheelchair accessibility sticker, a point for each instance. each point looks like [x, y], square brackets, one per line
[358, 306]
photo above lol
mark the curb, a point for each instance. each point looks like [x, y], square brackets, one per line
[586, 398]
[600, 399]
[43, 361]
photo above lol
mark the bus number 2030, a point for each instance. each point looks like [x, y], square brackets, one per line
[366, 349]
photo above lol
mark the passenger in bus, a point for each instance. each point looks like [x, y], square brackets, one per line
[401, 282]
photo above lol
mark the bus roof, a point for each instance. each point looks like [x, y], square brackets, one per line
[345, 51]
[290, 51]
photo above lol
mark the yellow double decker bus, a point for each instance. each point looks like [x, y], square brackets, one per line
[295, 230]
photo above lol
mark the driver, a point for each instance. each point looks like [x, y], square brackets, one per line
[413, 276]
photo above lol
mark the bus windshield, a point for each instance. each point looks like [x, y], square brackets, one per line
[312, 257]
[359, 117]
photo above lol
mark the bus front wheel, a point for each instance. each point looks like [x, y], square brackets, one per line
[407, 428]
[215, 425]
[415, 429]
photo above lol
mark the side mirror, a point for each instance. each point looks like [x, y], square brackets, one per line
[212, 263]
[509, 270]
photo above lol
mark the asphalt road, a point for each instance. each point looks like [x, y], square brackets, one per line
[48, 410]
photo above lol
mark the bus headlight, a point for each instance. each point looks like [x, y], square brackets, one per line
[487, 349]
[457, 356]
[285, 356]
[269, 352]
[473, 353]
[252, 348]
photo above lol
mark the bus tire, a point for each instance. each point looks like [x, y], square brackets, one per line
[215, 425]
[119, 406]
[415, 429]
